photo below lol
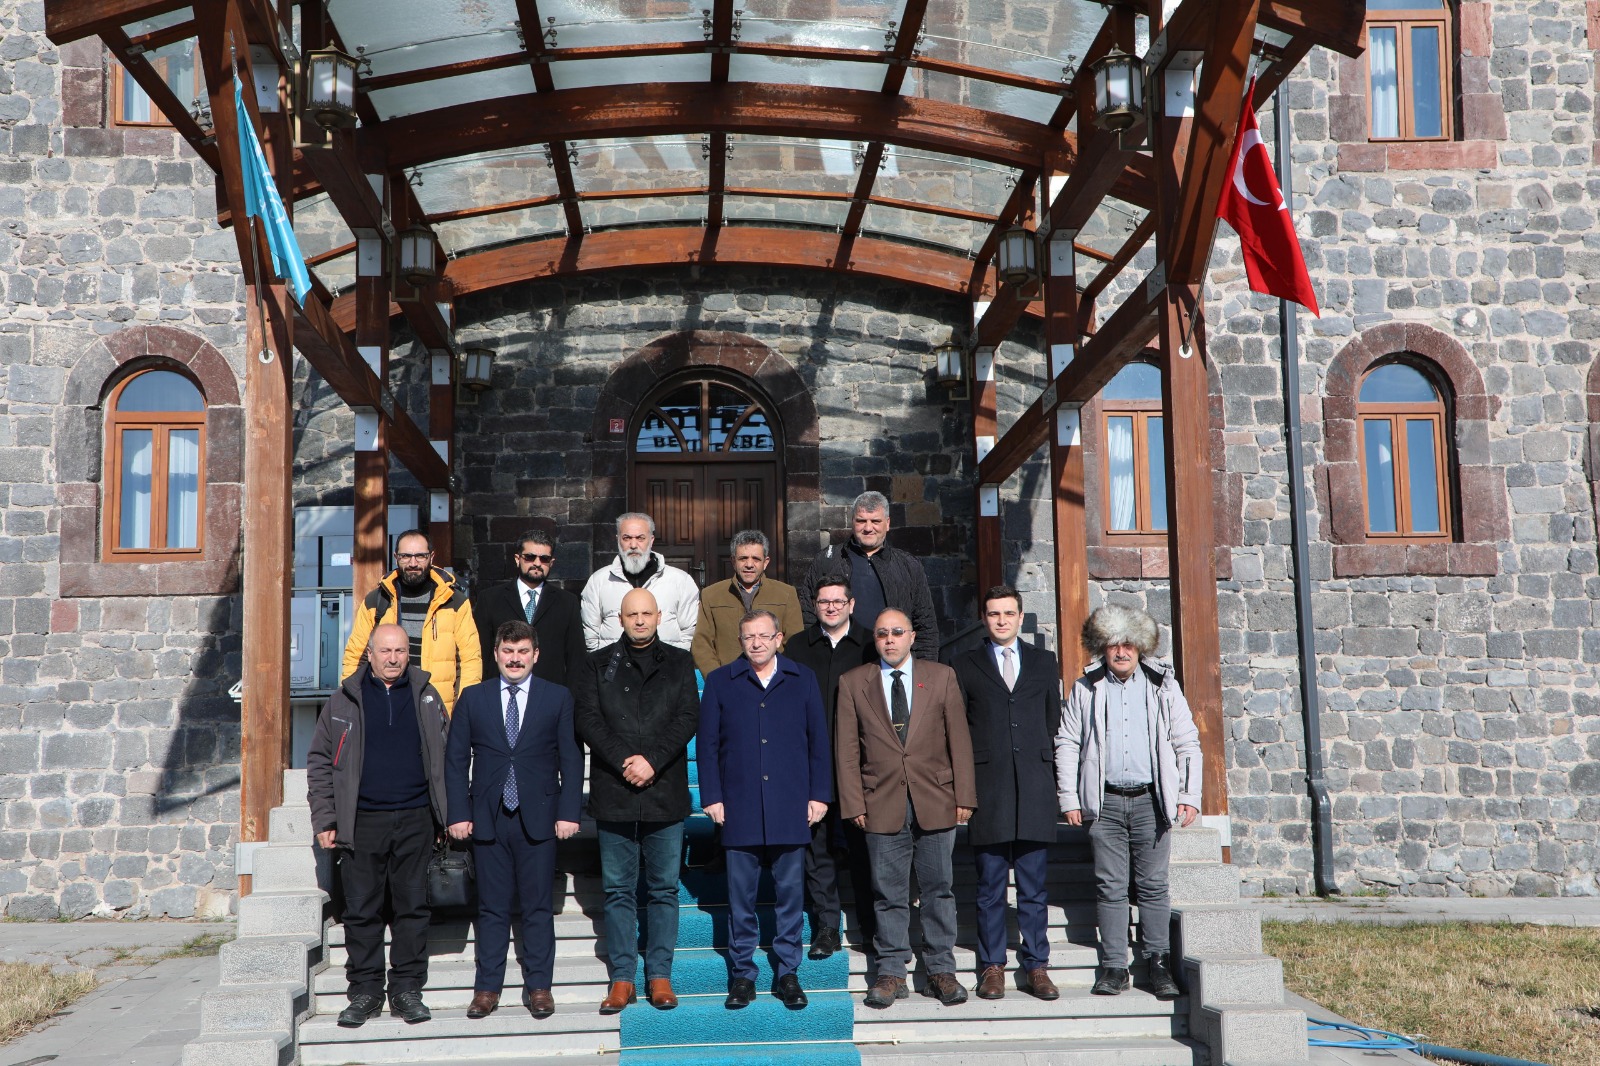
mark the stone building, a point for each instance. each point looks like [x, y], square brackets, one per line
[1456, 665]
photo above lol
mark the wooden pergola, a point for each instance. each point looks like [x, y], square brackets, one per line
[935, 85]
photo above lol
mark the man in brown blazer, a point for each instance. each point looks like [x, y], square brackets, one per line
[904, 759]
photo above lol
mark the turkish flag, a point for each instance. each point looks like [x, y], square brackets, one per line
[1252, 203]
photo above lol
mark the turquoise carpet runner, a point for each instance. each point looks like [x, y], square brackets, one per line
[701, 1030]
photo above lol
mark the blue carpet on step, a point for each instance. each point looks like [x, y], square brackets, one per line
[701, 1031]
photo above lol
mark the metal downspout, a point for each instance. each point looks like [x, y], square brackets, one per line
[1310, 697]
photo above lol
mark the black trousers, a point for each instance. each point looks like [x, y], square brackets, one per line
[831, 840]
[389, 863]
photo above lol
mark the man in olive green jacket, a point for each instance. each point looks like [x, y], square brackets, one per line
[724, 604]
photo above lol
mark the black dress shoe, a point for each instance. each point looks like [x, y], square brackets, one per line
[741, 990]
[1113, 981]
[1162, 984]
[825, 942]
[790, 994]
[409, 1008]
[361, 1008]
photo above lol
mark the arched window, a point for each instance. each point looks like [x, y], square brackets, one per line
[735, 423]
[1136, 464]
[155, 466]
[1404, 454]
[1410, 56]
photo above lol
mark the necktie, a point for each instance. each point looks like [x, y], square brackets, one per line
[1009, 669]
[513, 727]
[531, 605]
[899, 708]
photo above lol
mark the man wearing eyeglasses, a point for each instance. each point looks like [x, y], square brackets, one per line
[432, 609]
[532, 598]
[766, 779]
[904, 756]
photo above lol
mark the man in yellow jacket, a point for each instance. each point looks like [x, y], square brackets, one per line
[425, 602]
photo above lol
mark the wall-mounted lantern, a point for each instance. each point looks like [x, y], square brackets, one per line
[1018, 257]
[414, 256]
[330, 93]
[477, 371]
[1118, 91]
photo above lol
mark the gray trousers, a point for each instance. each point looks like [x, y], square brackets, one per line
[1131, 837]
[893, 855]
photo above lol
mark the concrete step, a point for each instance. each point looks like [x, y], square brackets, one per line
[282, 914]
[290, 825]
[583, 980]
[1203, 882]
[284, 868]
[267, 1007]
[294, 788]
[1083, 1051]
[1076, 1015]
[267, 959]
[239, 1049]
[508, 1033]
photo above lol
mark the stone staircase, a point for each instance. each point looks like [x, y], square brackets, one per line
[282, 981]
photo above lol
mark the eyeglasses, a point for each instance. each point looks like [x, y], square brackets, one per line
[535, 557]
[413, 557]
[895, 632]
[757, 638]
[833, 603]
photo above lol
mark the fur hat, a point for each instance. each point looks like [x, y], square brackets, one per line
[1112, 624]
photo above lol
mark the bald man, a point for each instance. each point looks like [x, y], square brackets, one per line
[637, 708]
[375, 779]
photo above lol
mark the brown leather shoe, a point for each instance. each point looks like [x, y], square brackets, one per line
[992, 983]
[1038, 984]
[945, 988]
[483, 1004]
[888, 989]
[662, 997]
[620, 995]
[539, 1001]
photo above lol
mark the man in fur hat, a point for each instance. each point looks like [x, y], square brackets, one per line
[1128, 765]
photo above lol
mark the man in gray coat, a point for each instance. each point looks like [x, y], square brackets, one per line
[375, 781]
[1128, 764]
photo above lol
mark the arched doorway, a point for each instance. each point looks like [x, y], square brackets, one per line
[705, 461]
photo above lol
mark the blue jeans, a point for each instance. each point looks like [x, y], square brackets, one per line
[1131, 847]
[624, 848]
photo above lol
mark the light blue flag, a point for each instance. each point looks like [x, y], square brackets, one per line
[261, 199]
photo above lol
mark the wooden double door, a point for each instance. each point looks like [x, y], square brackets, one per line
[705, 464]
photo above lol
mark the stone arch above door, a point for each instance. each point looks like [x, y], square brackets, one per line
[781, 385]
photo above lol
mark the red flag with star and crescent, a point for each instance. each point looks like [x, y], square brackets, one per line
[1252, 203]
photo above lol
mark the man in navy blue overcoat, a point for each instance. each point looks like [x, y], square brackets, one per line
[766, 777]
[525, 792]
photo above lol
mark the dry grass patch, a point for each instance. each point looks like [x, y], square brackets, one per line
[1525, 991]
[30, 993]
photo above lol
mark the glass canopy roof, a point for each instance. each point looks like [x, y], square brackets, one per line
[997, 57]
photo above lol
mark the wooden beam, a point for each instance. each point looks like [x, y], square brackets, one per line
[905, 45]
[990, 546]
[161, 94]
[1130, 248]
[871, 163]
[670, 109]
[1068, 515]
[66, 21]
[1335, 26]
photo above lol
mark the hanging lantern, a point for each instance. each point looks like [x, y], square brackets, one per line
[1018, 257]
[415, 263]
[951, 364]
[478, 371]
[1118, 91]
[330, 96]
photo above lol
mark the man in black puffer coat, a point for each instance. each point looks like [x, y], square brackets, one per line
[637, 707]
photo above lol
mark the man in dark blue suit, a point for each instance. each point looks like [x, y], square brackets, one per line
[525, 793]
[766, 777]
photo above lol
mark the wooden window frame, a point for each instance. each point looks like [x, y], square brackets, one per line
[1397, 415]
[161, 424]
[1403, 22]
[1141, 412]
[158, 120]
[755, 404]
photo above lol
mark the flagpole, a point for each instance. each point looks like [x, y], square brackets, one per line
[1310, 692]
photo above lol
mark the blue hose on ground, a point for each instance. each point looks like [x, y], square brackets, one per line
[1365, 1039]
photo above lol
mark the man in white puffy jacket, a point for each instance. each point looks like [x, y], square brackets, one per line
[1128, 765]
[638, 567]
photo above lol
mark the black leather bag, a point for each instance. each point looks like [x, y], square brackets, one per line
[452, 877]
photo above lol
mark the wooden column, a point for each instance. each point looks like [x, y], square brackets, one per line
[268, 431]
[442, 426]
[1066, 457]
[1186, 401]
[370, 557]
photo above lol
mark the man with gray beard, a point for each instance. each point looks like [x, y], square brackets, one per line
[637, 566]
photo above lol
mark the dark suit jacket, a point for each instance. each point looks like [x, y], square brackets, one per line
[829, 662]
[1013, 743]
[763, 752]
[560, 629]
[934, 767]
[628, 708]
[548, 763]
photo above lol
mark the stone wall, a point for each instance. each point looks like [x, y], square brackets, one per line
[118, 741]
